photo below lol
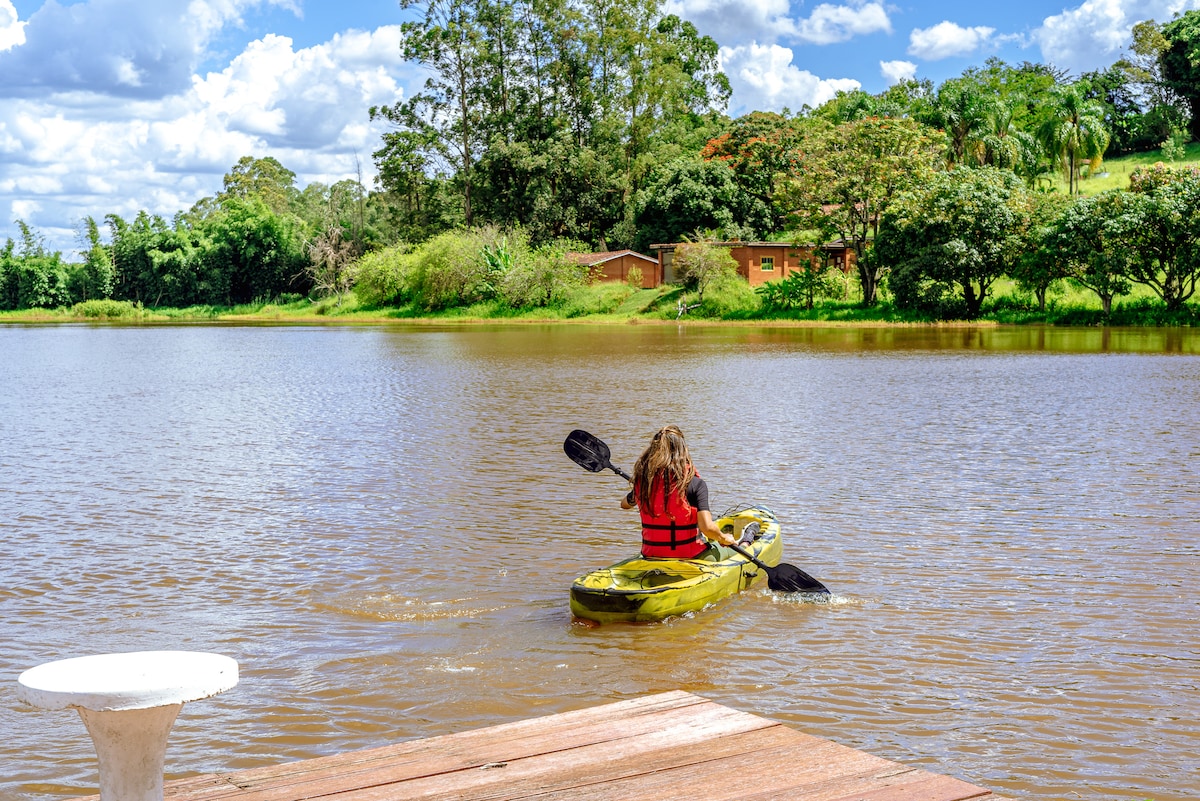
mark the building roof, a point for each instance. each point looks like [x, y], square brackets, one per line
[838, 243]
[592, 259]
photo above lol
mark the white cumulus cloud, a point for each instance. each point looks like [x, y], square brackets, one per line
[736, 22]
[897, 71]
[742, 22]
[70, 154]
[830, 23]
[302, 99]
[128, 48]
[765, 79]
[12, 29]
[947, 39]
[1093, 34]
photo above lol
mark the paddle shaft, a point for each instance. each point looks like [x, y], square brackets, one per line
[750, 556]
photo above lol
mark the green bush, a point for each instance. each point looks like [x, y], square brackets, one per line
[106, 309]
[449, 270]
[729, 296]
[545, 278]
[801, 289]
[382, 278]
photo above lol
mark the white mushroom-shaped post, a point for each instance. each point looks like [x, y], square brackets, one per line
[129, 701]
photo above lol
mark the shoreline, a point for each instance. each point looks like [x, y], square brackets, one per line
[326, 314]
[42, 317]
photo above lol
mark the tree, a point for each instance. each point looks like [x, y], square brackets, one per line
[1180, 62]
[258, 254]
[701, 264]
[688, 195]
[761, 150]
[37, 276]
[1131, 128]
[1143, 66]
[1020, 88]
[848, 106]
[1162, 226]
[8, 275]
[964, 111]
[160, 264]
[1091, 241]
[848, 175]
[908, 98]
[964, 229]
[264, 178]
[550, 113]
[448, 116]
[331, 257]
[96, 276]
[1042, 263]
[1074, 130]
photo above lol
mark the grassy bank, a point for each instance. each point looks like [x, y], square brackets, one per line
[1114, 173]
[617, 304]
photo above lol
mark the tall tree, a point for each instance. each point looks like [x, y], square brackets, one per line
[259, 254]
[686, 195]
[528, 102]
[264, 178]
[1144, 65]
[1022, 87]
[963, 109]
[450, 41]
[1073, 130]
[761, 150]
[96, 277]
[1180, 62]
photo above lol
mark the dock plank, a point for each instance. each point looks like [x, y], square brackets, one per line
[669, 745]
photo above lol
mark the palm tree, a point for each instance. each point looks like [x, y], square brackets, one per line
[963, 111]
[1074, 131]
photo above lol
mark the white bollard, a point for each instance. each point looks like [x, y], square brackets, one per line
[128, 703]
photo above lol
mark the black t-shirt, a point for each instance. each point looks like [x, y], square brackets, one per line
[697, 494]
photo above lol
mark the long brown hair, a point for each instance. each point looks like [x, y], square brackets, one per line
[666, 455]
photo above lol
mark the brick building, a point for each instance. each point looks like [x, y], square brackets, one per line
[760, 262]
[615, 266]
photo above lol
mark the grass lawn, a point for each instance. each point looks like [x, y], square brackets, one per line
[1114, 173]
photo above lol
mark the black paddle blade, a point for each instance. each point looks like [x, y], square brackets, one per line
[586, 451]
[789, 578]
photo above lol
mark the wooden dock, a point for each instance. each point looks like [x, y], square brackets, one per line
[673, 745]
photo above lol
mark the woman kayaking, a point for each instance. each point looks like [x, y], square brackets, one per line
[673, 502]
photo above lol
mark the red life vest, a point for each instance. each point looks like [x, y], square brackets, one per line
[670, 530]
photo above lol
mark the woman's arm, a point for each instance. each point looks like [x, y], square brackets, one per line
[628, 501]
[709, 529]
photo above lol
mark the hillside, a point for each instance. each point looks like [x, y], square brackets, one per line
[1115, 172]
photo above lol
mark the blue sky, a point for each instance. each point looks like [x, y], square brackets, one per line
[121, 105]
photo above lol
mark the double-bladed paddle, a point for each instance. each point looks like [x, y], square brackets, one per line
[593, 455]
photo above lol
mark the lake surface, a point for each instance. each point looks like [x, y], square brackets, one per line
[379, 524]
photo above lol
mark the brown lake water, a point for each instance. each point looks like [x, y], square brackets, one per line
[379, 524]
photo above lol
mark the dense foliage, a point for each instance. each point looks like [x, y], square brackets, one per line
[954, 237]
[549, 126]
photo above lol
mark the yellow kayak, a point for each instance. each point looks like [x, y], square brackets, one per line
[641, 589]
